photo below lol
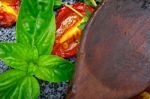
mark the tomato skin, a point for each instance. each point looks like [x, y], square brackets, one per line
[68, 34]
[6, 17]
[64, 12]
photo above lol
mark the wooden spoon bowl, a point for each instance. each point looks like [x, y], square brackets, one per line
[114, 57]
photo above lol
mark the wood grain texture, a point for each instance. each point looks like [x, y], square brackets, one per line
[114, 57]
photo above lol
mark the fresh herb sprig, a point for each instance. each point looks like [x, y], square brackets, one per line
[91, 2]
[30, 56]
[57, 4]
[85, 18]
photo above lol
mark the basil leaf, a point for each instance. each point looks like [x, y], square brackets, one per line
[4, 50]
[54, 69]
[36, 25]
[17, 56]
[13, 55]
[91, 2]
[58, 3]
[15, 84]
[82, 25]
[9, 78]
[88, 2]
[85, 21]
[45, 41]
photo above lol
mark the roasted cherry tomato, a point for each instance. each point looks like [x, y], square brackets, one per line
[68, 34]
[8, 12]
[144, 95]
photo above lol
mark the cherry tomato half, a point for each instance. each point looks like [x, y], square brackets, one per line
[8, 12]
[68, 34]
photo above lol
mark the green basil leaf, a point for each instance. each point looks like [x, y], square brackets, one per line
[58, 3]
[14, 56]
[88, 14]
[54, 69]
[82, 25]
[45, 41]
[85, 21]
[9, 78]
[91, 2]
[4, 50]
[36, 25]
[88, 2]
[15, 63]
[15, 84]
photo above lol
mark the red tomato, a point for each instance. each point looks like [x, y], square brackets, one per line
[8, 12]
[68, 34]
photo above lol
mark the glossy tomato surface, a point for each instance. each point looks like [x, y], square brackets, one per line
[68, 34]
[8, 12]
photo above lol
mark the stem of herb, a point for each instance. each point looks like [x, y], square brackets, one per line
[94, 3]
[74, 10]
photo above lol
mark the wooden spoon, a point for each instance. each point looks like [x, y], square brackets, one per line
[114, 57]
